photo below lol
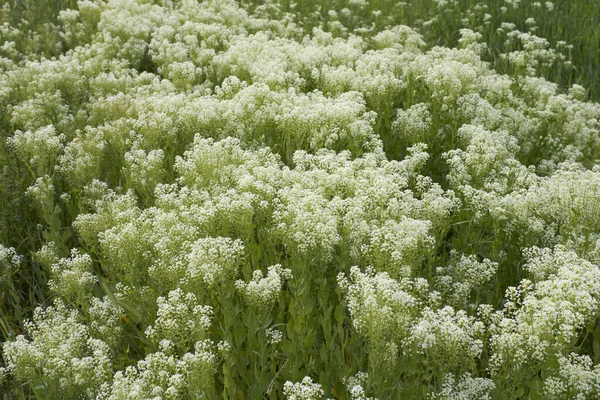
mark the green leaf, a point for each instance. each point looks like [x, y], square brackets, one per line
[340, 313]
[597, 345]
[66, 235]
[239, 333]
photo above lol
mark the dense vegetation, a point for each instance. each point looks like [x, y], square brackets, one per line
[323, 199]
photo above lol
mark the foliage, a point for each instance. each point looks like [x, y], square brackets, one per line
[305, 200]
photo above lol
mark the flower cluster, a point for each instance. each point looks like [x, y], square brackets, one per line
[464, 276]
[305, 390]
[60, 353]
[164, 375]
[180, 319]
[9, 264]
[381, 307]
[262, 291]
[71, 277]
[467, 388]
[546, 315]
[576, 378]
[446, 338]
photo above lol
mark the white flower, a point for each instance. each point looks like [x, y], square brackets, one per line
[305, 390]
[274, 335]
[262, 290]
[180, 319]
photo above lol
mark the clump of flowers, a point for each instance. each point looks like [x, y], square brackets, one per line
[576, 378]
[180, 319]
[464, 276]
[447, 339]
[213, 259]
[545, 316]
[398, 247]
[381, 308]
[354, 385]
[10, 261]
[58, 352]
[40, 149]
[263, 291]
[164, 375]
[305, 390]
[105, 321]
[466, 388]
[274, 336]
[71, 277]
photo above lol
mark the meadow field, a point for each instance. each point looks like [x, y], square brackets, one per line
[310, 200]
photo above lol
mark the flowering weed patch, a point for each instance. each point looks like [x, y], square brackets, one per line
[313, 200]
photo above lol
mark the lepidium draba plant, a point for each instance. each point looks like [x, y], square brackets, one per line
[244, 200]
[59, 355]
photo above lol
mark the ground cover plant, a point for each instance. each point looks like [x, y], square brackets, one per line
[312, 200]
